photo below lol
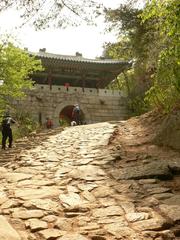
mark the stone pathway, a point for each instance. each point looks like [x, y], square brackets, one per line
[65, 186]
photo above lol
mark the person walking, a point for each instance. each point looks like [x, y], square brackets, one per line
[6, 130]
[76, 114]
[49, 123]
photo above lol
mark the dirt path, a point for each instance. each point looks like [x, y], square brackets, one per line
[80, 184]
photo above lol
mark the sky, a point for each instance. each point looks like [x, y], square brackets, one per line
[87, 40]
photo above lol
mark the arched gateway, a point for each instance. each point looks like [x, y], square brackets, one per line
[64, 110]
[67, 80]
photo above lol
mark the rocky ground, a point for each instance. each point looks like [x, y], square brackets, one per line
[104, 181]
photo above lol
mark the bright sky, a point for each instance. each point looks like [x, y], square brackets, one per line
[87, 40]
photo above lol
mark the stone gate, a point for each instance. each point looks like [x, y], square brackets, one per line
[67, 80]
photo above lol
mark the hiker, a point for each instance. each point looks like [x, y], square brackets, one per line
[6, 130]
[49, 123]
[76, 114]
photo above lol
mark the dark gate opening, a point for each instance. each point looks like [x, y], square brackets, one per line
[65, 115]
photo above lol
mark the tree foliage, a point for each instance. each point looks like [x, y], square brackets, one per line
[58, 13]
[15, 68]
[150, 36]
[134, 41]
[165, 92]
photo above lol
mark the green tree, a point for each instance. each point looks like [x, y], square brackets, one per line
[136, 41]
[150, 36]
[16, 66]
[165, 92]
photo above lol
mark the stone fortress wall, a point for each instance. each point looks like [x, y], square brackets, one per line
[97, 105]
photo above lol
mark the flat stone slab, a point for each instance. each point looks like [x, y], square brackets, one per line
[31, 193]
[7, 232]
[51, 233]
[89, 172]
[107, 201]
[103, 191]
[45, 204]
[150, 224]
[87, 186]
[163, 196]
[10, 203]
[172, 211]
[71, 200]
[122, 232]
[120, 220]
[36, 224]
[26, 214]
[88, 196]
[134, 217]
[15, 177]
[72, 189]
[108, 211]
[64, 224]
[90, 227]
[34, 182]
[50, 218]
[148, 181]
[151, 170]
[158, 190]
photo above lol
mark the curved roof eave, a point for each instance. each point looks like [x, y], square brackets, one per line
[77, 59]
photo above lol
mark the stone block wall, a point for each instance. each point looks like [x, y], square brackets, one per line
[97, 105]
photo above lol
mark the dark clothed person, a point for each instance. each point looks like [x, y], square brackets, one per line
[7, 131]
[76, 114]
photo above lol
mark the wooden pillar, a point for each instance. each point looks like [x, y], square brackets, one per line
[97, 85]
[83, 78]
[50, 79]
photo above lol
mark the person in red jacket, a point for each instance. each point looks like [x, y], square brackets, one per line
[49, 123]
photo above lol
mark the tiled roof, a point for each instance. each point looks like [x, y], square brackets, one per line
[68, 58]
